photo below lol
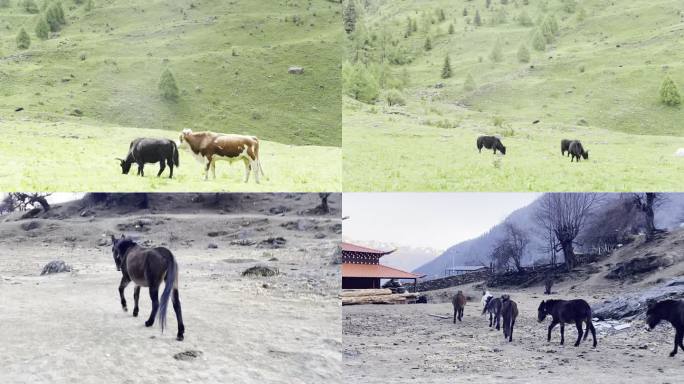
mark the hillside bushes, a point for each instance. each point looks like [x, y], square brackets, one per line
[23, 39]
[669, 94]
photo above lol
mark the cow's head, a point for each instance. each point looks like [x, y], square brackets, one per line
[125, 165]
[183, 138]
[585, 155]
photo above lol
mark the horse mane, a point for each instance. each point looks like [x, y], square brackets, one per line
[124, 244]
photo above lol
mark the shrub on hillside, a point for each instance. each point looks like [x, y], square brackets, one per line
[451, 29]
[497, 54]
[441, 16]
[569, 6]
[523, 54]
[469, 84]
[4, 3]
[669, 94]
[167, 86]
[524, 19]
[89, 5]
[349, 16]
[359, 83]
[446, 68]
[30, 6]
[42, 29]
[539, 41]
[23, 39]
[394, 97]
[54, 16]
[428, 43]
[478, 20]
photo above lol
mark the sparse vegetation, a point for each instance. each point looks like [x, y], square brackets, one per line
[669, 94]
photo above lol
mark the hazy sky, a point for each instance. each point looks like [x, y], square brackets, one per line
[436, 220]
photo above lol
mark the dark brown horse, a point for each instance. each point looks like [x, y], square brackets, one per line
[672, 311]
[148, 267]
[493, 306]
[567, 312]
[509, 312]
[459, 302]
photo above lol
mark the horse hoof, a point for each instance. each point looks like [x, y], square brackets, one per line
[135, 313]
[125, 309]
[672, 354]
[180, 338]
[149, 323]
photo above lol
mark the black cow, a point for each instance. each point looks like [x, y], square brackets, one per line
[490, 142]
[565, 146]
[576, 150]
[142, 151]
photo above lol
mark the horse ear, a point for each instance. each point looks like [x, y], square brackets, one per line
[123, 236]
[113, 239]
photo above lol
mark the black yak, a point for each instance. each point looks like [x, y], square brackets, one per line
[490, 142]
[577, 150]
[141, 151]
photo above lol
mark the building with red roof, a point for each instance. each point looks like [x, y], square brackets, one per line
[361, 268]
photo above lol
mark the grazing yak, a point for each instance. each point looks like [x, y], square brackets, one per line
[142, 151]
[490, 142]
[576, 150]
[565, 146]
[672, 311]
[208, 147]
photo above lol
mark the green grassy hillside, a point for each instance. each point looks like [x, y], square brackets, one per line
[230, 60]
[79, 156]
[597, 80]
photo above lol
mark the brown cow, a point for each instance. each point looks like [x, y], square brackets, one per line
[208, 147]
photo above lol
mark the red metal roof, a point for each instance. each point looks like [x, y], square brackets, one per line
[348, 247]
[377, 271]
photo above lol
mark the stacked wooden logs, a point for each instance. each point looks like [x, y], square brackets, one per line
[375, 296]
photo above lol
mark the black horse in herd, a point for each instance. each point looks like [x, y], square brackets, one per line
[148, 267]
[143, 151]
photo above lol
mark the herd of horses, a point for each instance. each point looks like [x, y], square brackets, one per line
[563, 312]
[574, 148]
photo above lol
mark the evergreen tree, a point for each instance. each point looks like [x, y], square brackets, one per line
[496, 55]
[539, 41]
[362, 85]
[42, 29]
[488, 3]
[23, 39]
[446, 69]
[349, 16]
[669, 94]
[478, 20]
[428, 43]
[547, 30]
[414, 27]
[167, 86]
[440, 15]
[469, 83]
[523, 54]
[89, 6]
[409, 27]
[465, 11]
[451, 29]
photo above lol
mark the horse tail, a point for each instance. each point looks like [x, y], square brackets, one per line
[169, 283]
[589, 324]
[175, 154]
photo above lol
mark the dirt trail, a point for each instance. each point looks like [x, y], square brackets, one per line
[402, 343]
[70, 327]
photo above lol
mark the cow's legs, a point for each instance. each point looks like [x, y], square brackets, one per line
[255, 168]
[247, 169]
[206, 171]
[162, 167]
[141, 169]
[170, 163]
[213, 168]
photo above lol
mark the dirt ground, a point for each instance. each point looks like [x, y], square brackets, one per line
[69, 327]
[402, 343]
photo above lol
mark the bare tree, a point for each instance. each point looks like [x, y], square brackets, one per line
[517, 242]
[509, 251]
[565, 215]
[647, 203]
[22, 200]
